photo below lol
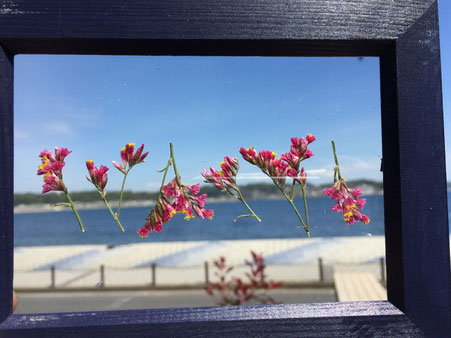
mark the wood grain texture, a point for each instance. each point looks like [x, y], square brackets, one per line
[297, 26]
[6, 184]
[358, 319]
[403, 32]
[416, 218]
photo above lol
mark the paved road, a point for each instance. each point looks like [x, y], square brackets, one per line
[122, 300]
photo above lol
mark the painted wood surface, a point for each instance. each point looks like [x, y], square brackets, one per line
[415, 196]
[6, 184]
[294, 27]
[404, 33]
[358, 319]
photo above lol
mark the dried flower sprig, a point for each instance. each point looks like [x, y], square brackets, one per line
[51, 167]
[174, 197]
[288, 165]
[130, 158]
[225, 180]
[99, 178]
[348, 201]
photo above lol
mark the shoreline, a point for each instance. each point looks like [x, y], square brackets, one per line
[46, 207]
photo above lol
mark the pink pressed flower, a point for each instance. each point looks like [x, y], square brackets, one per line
[51, 167]
[52, 183]
[119, 167]
[332, 192]
[310, 138]
[226, 178]
[348, 202]
[249, 155]
[194, 189]
[128, 156]
[143, 232]
[298, 151]
[278, 170]
[98, 177]
[264, 158]
[48, 155]
[356, 192]
[232, 162]
[292, 159]
[213, 178]
[184, 201]
[303, 177]
[172, 189]
[61, 153]
[208, 213]
[201, 200]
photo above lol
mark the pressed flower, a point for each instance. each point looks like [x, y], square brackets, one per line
[298, 151]
[98, 177]
[225, 180]
[287, 165]
[129, 157]
[249, 154]
[174, 197]
[51, 167]
[52, 183]
[348, 202]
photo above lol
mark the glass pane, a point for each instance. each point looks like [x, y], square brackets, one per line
[208, 107]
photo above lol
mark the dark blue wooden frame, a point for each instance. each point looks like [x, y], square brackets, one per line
[403, 33]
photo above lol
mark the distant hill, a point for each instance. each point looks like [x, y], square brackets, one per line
[250, 191]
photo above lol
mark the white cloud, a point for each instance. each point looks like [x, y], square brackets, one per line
[57, 127]
[153, 185]
[20, 135]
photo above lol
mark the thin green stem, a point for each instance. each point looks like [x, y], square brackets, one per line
[72, 205]
[253, 214]
[306, 210]
[177, 175]
[292, 204]
[306, 227]
[336, 159]
[122, 192]
[111, 211]
[165, 169]
[292, 188]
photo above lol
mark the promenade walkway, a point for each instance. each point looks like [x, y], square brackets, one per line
[183, 263]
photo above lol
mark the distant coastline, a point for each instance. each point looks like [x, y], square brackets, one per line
[34, 203]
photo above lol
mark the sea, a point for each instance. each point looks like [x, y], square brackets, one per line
[278, 221]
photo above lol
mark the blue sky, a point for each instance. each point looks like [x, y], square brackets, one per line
[208, 107]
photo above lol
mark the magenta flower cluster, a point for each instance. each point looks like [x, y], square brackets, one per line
[175, 197]
[51, 167]
[348, 202]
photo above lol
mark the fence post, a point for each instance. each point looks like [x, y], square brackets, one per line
[102, 276]
[52, 276]
[154, 276]
[206, 273]
[382, 261]
[321, 269]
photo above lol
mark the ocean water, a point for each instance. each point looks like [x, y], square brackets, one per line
[278, 221]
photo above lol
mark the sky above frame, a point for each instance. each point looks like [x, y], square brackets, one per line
[207, 106]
